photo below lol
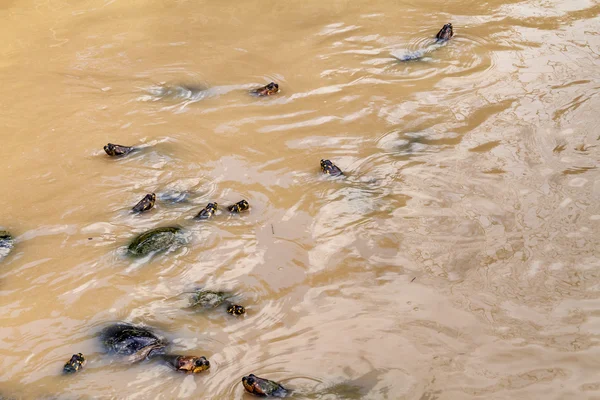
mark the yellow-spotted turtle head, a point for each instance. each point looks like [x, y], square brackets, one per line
[263, 387]
[445, 33]
[74, 364]
[145, 204]
[329, 168]
[238, 207]
[267, 90]
[114, 150]
[207, 211]
[191, 364]
[236, 309]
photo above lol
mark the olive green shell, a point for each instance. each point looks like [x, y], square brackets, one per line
[208, 298]
[6, 243]
[158, 239]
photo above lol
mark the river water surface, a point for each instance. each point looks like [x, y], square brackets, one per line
[458, 258]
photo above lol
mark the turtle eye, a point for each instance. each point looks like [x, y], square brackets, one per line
[250, 380]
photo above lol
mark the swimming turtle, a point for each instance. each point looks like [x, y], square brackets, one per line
[114, 150]
[267, 90]
[238, 207]
[329, 168]
[154, 240]
[441, 38]
[263, 387]
[137, 343]
[208, 211]
[6, 243]
[208, 299]
[74, 364]
[266, 388]
[145, 204]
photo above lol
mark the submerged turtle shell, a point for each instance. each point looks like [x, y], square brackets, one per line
[6, 243]
[157, 239]
[130, 340]
[208, 298]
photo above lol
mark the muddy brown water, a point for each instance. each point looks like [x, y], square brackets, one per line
[458, 259]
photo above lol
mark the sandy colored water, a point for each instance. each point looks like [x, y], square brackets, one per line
[458, 259]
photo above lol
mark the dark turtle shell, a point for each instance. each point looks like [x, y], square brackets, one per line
[263, 387]
[158, 239]
[130, 340]
[6, 243]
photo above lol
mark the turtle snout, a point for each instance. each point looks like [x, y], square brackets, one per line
[202, 362]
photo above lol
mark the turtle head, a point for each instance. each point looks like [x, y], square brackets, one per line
[238, 207]
[445, 33]
[267, 90]
[263, 387]
[117, 150]
[110, 149]
[329, 168]
[243, 205]
[212, 207]
[271, 88]
[192, 364]
[74, 364]
[235, 309]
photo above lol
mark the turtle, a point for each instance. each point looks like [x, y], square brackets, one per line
[238, 207]
[115, 150]
[329, 168]
[6, 243]
[441, 38]
[208, 211]
[76, 363]
[267, 90]
[208, 299]
[145, 204]
[267, 388]
[154, 240]
[263, 387]
[137, 343]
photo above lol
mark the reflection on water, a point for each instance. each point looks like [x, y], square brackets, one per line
[456, 259]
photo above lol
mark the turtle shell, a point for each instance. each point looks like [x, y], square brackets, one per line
[158, 239]
[208, 298]
[130, 340]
